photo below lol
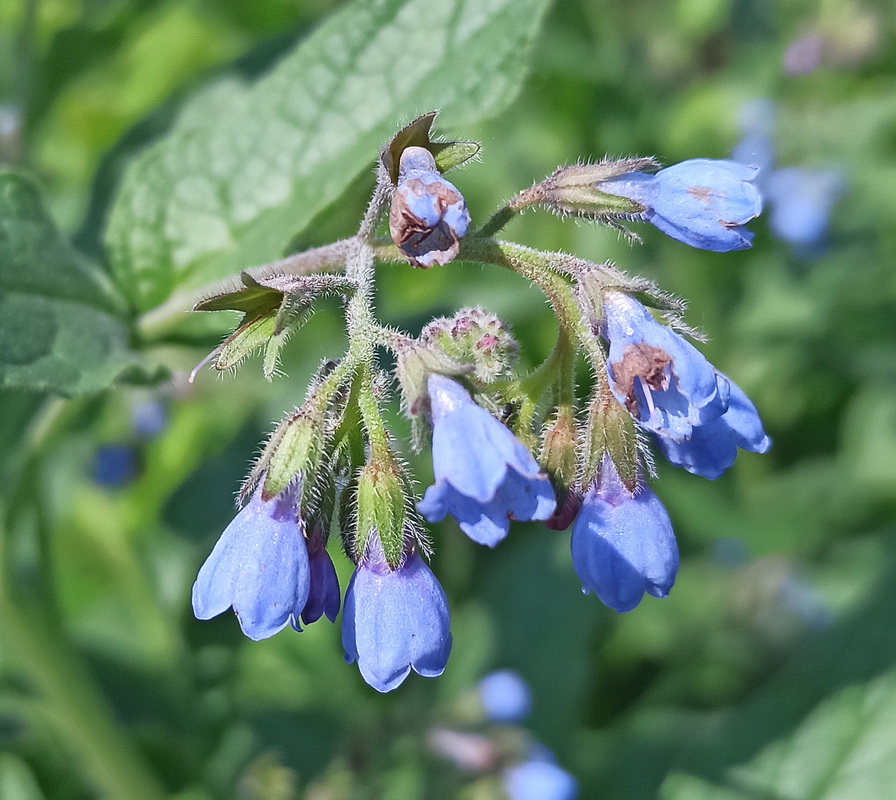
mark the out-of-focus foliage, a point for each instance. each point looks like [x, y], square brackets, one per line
[767, 673]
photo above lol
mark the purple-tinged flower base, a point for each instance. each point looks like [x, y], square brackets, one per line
[259, 566]
[484, 475]
[663, 381]
[623, 544]
[713, 446]
[395, 621]
[323, 594]
[702, 202]
[505, 696]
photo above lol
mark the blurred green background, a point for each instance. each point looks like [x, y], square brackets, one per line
[770, 671]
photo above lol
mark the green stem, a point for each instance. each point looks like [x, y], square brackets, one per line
[157, 322]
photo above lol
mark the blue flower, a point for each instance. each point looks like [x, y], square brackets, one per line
[259, 566]
[395, 621]
[802, 201]
[663, 381]
[622, 543]
[539, 780]
[701, 202]
[323, 593]
[712, 447]
[428, 217]
[115, 465]
[484, 475]
[505, 696]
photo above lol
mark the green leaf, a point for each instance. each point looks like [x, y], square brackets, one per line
[822, 729]
[62, 326]
[248, 166]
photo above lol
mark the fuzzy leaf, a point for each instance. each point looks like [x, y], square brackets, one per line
[248, 165]
[62, 326]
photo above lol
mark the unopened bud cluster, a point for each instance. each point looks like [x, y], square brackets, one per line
[506, 446]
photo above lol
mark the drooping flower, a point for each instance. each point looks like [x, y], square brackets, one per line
[505, 696]
[428, 217]
[484, 475]
[663, 381]
[259, 566]
[622, 543]
[395, 620]
[323, 592]
[713, 446]
[702, 202]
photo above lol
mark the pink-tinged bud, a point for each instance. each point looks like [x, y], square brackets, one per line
[428, 217]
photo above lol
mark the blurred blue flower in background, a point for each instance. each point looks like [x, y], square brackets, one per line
[801, 199]
[702, 202]
[622, 543]
[259, 566]
[484, 475]
[148, 419]
[114, 465]
[801, 204]
[539, 780]
[505, 696]
[395, 620]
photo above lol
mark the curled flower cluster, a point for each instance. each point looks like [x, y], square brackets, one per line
[505, 447]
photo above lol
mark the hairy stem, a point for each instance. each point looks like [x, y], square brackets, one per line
[155, 324]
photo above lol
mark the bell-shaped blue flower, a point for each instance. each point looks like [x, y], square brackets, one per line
[259, 566]
[429, 216]
[712, 447]
[662, 380]
[484, 475]
[323, 592]
[395, 621]
[622, 543]
[702, 202]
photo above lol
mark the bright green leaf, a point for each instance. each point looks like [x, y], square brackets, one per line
[248, 166]
[822, 729]
[61, 324]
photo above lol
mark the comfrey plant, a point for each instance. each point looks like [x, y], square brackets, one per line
[505, 446]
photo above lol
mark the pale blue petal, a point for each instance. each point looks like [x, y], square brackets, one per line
[260, 567]
[681, 391]
[623, 546]
[712, 447]
[396, 621]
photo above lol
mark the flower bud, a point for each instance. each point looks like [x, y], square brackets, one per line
[476, 337]
[295, 448]
[559, 458]
[610, 433]
[382, 511]
[428, 217]
[415, 363]
[447, 155]
[273, 308]
[574, 190]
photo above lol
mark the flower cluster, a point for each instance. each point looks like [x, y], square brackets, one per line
[505, 446]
